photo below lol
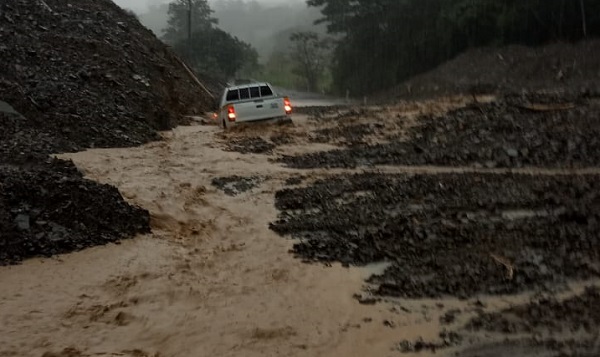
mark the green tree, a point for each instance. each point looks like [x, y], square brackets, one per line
[387, 41]
[215, 52]
[179, 19]
[209, 50]
[310, 53]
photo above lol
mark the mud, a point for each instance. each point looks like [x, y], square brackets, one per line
[77, 75]
[318, 112]
[251, 145]
[211, 279]
[449, 339]
[475, 202]
[52, 209]
[578, 314]
[449, 234]
[234, 185]
[562, 67]
[349, 135]
[90, 75]
[515, 131]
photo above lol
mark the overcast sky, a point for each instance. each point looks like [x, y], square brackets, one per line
[142, 5]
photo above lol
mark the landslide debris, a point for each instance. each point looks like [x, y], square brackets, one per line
[450, 234]
[544, 326]
[234, 185]
[578, 314]
[51, 209]
[515, 131]
[76, 75]
[350, 135]
[88, 74]
[251, 145]
[561, 67]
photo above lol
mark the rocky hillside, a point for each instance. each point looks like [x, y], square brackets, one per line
[74, 75]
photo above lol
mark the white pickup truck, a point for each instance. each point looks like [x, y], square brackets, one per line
[251, 102]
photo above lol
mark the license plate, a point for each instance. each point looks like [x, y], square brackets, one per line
[274, 105]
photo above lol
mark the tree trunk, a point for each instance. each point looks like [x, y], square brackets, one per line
[583, 18]
[561, 20]
[190, 28]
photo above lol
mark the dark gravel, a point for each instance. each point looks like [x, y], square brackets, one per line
[579, 314]
[88, 74]
[250, 145]
[351, 135]
[51, 209]
[561, 66]
[448, 339]
[507, 133]
[82, 74]
[447, 235]
[234, 185]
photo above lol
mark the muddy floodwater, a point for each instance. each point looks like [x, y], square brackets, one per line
[215, 279]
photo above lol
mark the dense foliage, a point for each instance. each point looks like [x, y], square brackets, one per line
[387, 41]
[310, 54]
[208, 49]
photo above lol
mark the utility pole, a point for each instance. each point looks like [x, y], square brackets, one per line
[583, 19]
[190, 28]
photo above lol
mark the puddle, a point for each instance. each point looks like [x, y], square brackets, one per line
[513, 215]
[373, 269]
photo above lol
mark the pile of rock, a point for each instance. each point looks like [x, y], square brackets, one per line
[75, 75]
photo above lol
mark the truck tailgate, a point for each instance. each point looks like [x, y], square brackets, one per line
[259, 109]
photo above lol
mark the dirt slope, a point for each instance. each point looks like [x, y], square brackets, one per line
[88, 74]
[76, 75]
[555, 67]
[213, 280]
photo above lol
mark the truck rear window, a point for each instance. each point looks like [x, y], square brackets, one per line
[254, 92]
[244, 93]
[232, 95]
[266, 91]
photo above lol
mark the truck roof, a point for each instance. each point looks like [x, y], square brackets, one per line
[248, 85]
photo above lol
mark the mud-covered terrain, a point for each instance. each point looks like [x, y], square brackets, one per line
[234, 185]
[88, 74]
[251, 145]
[51, 209]
[533, 131]
[77, 75]
[494, 198]
[450, 244]
[576, 314]
[450, 234]
[564, 67]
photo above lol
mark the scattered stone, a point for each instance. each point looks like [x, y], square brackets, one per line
[250, 145]
[294, 181]
[348, 134]
[365, 299]
[449, 317]
[409, 219]
[234, 185]
[65, 212]
[85, 74]
[497, 134]
[282, 139]
[388, 323]
[578, 314]
[22, 221]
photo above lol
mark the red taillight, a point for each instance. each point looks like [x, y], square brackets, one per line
[231, 113]
[287, 105]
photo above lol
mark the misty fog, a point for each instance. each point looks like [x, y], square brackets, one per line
[265, 24]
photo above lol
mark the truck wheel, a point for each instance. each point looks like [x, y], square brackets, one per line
[224, 124]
